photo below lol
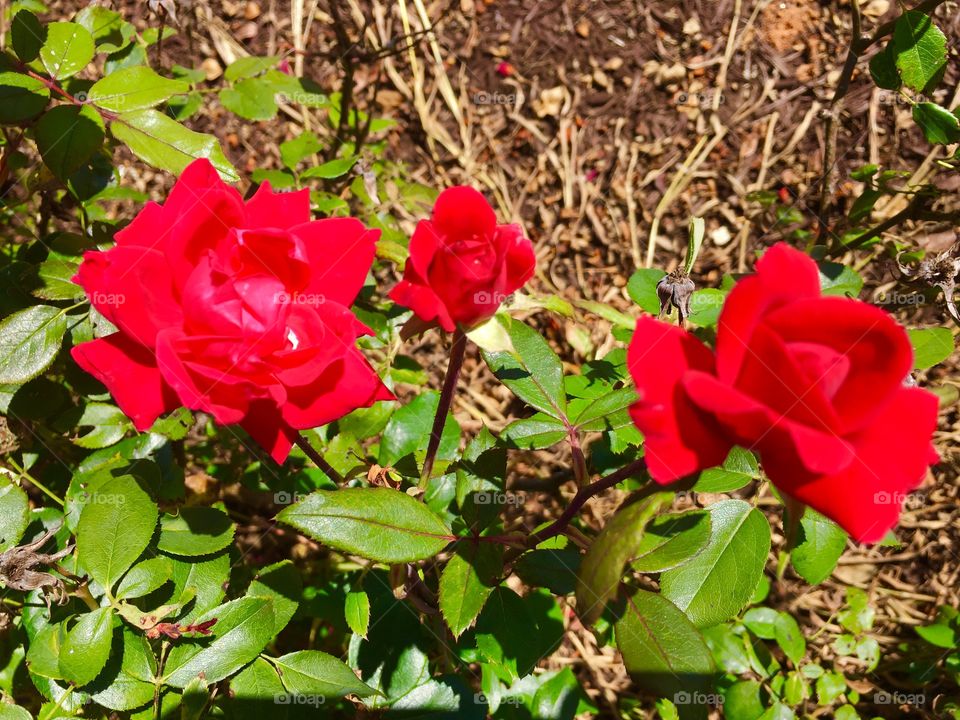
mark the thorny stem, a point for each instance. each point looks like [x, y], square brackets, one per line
[858, 46]
[833, 117]
[579, 461]
[446, 400]
[318, 460]
[579, 500]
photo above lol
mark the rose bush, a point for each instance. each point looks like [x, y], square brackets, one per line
[237, 309]
[462, 264]
[814, 384]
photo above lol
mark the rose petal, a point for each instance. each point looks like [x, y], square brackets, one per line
[783, 275]
[340, 252]
[892, 455]
[679, 438]
[265, 425]
[130, 373]
[877, 348]
[521, 260]
[753, 425]
[346, 385]
[268, 209]
[199, 214]
[461, 212]
[132, 287]
[424, 303]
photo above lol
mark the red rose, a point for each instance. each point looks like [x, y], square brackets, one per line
[462, 264]
[236, 309]
[814, 384]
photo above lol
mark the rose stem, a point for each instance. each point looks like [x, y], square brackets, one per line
[446, 400]
[318, 460]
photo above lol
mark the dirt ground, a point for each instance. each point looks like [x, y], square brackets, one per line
[594, 121]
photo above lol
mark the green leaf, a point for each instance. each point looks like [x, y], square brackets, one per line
[203, 579]
[251, 686]
[356, 611]
[27, 35]
[134, 88]
[830, 686]
[115, 526]
[762, 622]
[603, 566]
[376, 523]
[68, 49]
[14, 712]
[939, 125]
[596, 416]
[839, 280]
[408, 430]
[819, 546]
[243, 629]
[883, 69]
[789, 637]
[67, 137]
[281, 584]
[506, 634]
[311, 672]
[672, 540]
[554, 569]
[931, 346]
[162, 142]
[110, 31]
[332, 169]
[21, 97]
[292, 152]
[716, 584]
[249, 66]
[195, 531]
[55, 276]
[86, 647]
[466, 582]
[662, 650]
[921, 50]
[145, 577]
[741, 701]
[251, 98]
[642, 289]
[14, 514]
[534, 433]
[29, 342]
[533, 371]
[108, 426]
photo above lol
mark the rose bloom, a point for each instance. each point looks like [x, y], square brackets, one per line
[239, 309]
[813, 384]
[462, 264]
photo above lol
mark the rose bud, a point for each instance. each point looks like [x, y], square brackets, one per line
[238, 309]
[462, 264]
[813, 384]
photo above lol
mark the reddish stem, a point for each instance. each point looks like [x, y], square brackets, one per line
[457, 353]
